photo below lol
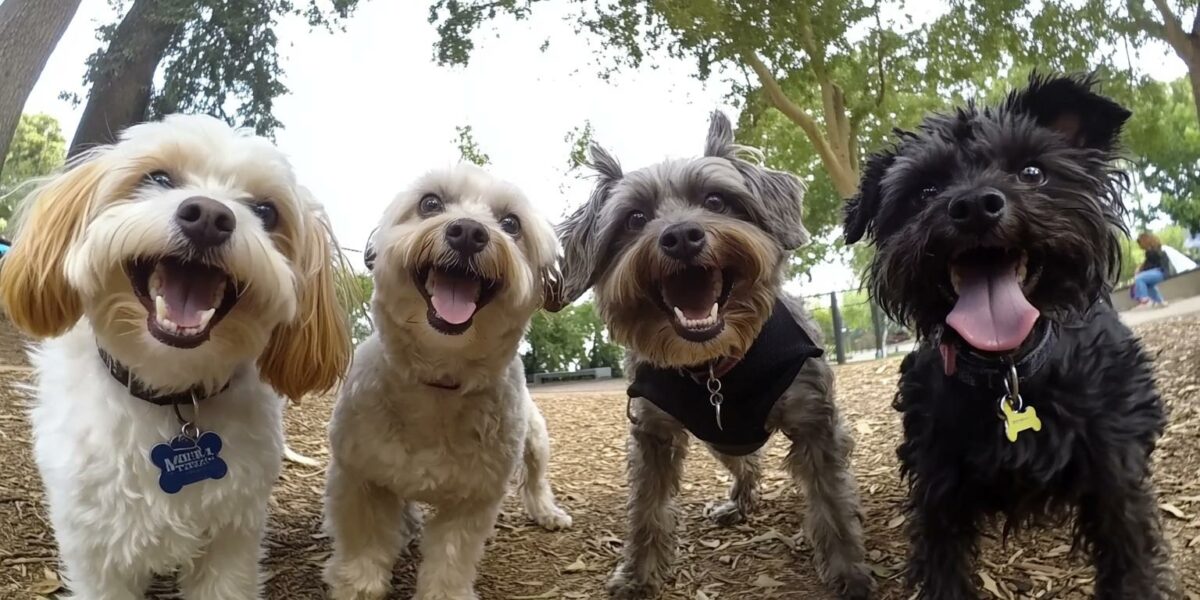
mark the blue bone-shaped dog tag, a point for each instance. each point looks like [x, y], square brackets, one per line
[184, 462]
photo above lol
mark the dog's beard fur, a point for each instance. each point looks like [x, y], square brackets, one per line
[748, 233]
[630, 295]
[513, 270]
[1066, 229]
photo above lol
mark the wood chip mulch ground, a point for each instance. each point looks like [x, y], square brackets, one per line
[767, 558]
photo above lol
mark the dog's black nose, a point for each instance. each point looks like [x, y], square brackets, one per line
[205, 222]
[682, 241]
[978, 210]
[467, 236]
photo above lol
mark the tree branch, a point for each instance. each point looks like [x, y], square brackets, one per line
[1142, 19]
[843, 180]
[1175, 35]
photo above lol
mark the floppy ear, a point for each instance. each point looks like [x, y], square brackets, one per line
[782, 196]
[1068, 105]
[311, 353]
[583, 257]
[859, 212]
[33, 281]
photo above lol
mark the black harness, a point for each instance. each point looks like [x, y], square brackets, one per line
[749, 389]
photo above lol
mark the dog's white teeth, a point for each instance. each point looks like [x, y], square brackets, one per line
[205, 317]
[955, 280]
[218, 293]
[160, 309]
[704, 323]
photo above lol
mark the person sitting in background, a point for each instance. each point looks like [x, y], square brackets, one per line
[1152, 272]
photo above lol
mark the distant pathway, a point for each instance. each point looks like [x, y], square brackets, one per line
[1177, 308]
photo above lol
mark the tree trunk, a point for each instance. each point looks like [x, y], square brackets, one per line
[123, 77]
[1194, 76]
[29, 31]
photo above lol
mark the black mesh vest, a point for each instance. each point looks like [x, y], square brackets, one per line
[750, 389]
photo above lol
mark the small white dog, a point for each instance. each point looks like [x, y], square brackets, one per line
[182, 274]
[435, 408]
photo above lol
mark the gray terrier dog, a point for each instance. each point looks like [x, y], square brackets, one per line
[687, 259]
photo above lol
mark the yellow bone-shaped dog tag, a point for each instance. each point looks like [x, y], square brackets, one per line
[1016, 422]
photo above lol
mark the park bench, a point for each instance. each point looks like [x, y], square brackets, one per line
[580, 375]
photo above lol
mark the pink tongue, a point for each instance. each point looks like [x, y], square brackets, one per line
[189, 291]
[453, 297]
[991, 313]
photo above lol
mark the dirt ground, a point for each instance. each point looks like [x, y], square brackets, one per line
[767, 558]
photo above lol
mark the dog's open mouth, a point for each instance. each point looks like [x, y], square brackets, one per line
[991, 310]
[695, 301]
[454, 295]
[184, 299]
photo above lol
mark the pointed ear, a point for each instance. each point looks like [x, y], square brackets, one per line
[583, 254]
[860, 211]
[33, 281]
[310, 354]
[1068, 105]
[720, 135]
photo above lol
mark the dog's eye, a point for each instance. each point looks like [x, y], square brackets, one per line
[1031, 175]
[636, 221]
[161, 178]
[929, 192]
[430, 205]
[715, 203]
[267, 213]
[511, 225]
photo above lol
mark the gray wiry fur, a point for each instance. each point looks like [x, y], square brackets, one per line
[766, 203]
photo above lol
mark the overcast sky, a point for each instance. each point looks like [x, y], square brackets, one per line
[369, 111]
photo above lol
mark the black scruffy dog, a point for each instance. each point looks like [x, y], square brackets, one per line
[996, 234]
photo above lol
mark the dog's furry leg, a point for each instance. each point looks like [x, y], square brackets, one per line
[743, 494]
[819, 461]
[90, 573]
[451, 548]
[369, 526]
[535, 481]
[1122, 529]
[228, 569]
[942, 545]
[657, 447]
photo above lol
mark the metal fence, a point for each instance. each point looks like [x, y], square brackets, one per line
[854, 328]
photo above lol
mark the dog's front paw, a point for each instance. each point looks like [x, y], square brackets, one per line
[728, 515]
[552, 519]
[624, 585]
[853, 584]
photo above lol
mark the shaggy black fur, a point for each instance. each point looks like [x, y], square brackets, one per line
[1096, 398]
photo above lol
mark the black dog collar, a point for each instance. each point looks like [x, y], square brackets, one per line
[139, 390]
[989, 372]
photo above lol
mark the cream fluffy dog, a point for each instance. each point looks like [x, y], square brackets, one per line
[182, 274]
[435, 408]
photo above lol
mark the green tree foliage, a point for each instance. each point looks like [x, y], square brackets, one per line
[468, 148]
[857, 328]
[218, 57]
[354, 293]
[574, 338]
[1163, 138]
[37, 149]
[820, 83]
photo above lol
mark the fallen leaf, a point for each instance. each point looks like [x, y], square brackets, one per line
[576, 566]
[989, 584]
[1173, 510]
[766, 581]
[896, 522]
